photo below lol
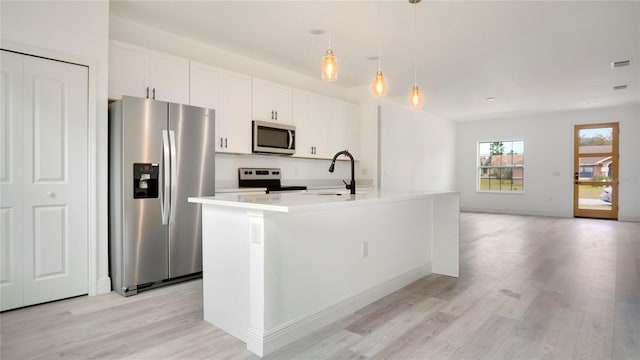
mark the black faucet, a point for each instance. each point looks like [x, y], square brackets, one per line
[351, 186]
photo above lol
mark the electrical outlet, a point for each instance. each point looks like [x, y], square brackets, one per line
[365, 249]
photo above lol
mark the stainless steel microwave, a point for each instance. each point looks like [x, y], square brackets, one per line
[273, 138]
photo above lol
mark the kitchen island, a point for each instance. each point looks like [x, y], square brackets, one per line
[279, 266]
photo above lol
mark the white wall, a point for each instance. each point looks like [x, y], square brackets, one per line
[74, 31]
[418, 149]
[548, 161]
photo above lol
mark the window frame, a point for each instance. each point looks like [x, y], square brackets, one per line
[480, 167]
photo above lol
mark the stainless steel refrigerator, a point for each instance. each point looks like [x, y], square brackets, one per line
[159, 155]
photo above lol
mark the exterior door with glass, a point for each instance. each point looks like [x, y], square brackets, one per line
[595, 189]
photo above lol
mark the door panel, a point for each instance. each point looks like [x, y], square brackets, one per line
[55, 190]
[11, 233]
[596, 171]
[194, 130]
[50, 242]
[145, 237]
[49, 150]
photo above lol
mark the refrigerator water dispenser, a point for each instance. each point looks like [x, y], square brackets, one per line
[145, 181]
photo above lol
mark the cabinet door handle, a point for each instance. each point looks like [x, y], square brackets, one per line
[221, 146]
[225, 142]
[276, 115]
[154, 93]
[147, 92]
[271, 114]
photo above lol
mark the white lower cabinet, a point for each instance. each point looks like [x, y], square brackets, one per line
[43, 180]
[229, 94]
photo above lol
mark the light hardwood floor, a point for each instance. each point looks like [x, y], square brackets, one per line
[530, 288]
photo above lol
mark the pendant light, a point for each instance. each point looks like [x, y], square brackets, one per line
[415, 96]
[329, 64]
[379, 85]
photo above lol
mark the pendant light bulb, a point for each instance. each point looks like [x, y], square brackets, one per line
[379, 84]
[329, 66]
[415, 97]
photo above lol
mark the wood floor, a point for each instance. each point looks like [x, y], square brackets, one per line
[530, 288]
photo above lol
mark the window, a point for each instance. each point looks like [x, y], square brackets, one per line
[501, 166]
[586, 171]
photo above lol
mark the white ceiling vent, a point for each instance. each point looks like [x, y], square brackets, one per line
[620, 63]
[620, 87]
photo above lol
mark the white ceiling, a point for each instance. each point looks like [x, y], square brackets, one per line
[531, 56]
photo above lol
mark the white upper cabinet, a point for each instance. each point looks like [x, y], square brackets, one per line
[312, 118]
[128, 73]
[325, 126]
[272, 102]
[229, 94]
[345, 127]
[168, 77]
[236, 112]
[140, 72]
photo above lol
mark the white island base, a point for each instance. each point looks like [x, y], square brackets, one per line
[277, 267]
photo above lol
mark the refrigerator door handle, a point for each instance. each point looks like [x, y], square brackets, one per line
[166, 178]
[174, 177]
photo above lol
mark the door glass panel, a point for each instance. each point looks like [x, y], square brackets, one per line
[595, 168]
[595, 197]
[598, 140]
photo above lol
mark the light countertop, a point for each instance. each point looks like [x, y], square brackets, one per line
[310, 200]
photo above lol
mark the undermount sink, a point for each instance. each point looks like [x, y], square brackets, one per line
[331, 193]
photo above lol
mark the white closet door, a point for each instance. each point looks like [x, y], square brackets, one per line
[11, 237]
[55, 107]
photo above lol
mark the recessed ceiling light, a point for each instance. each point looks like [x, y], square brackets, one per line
[316, 31]
[620, 63]
[491, 99]
[620, 87]
[372, 58]
[591, 102]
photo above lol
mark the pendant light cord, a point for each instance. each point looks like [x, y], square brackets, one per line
[379, 39]
[415, 43]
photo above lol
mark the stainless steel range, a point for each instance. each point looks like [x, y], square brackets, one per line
[269, 178]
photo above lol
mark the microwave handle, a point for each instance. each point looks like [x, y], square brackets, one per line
[290, 139]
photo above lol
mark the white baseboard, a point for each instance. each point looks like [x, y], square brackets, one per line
[295, 329]
[517, 212]
[536, 213]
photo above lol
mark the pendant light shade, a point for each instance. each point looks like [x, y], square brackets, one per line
[379, 84]
[329, 66]
[415, 97]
